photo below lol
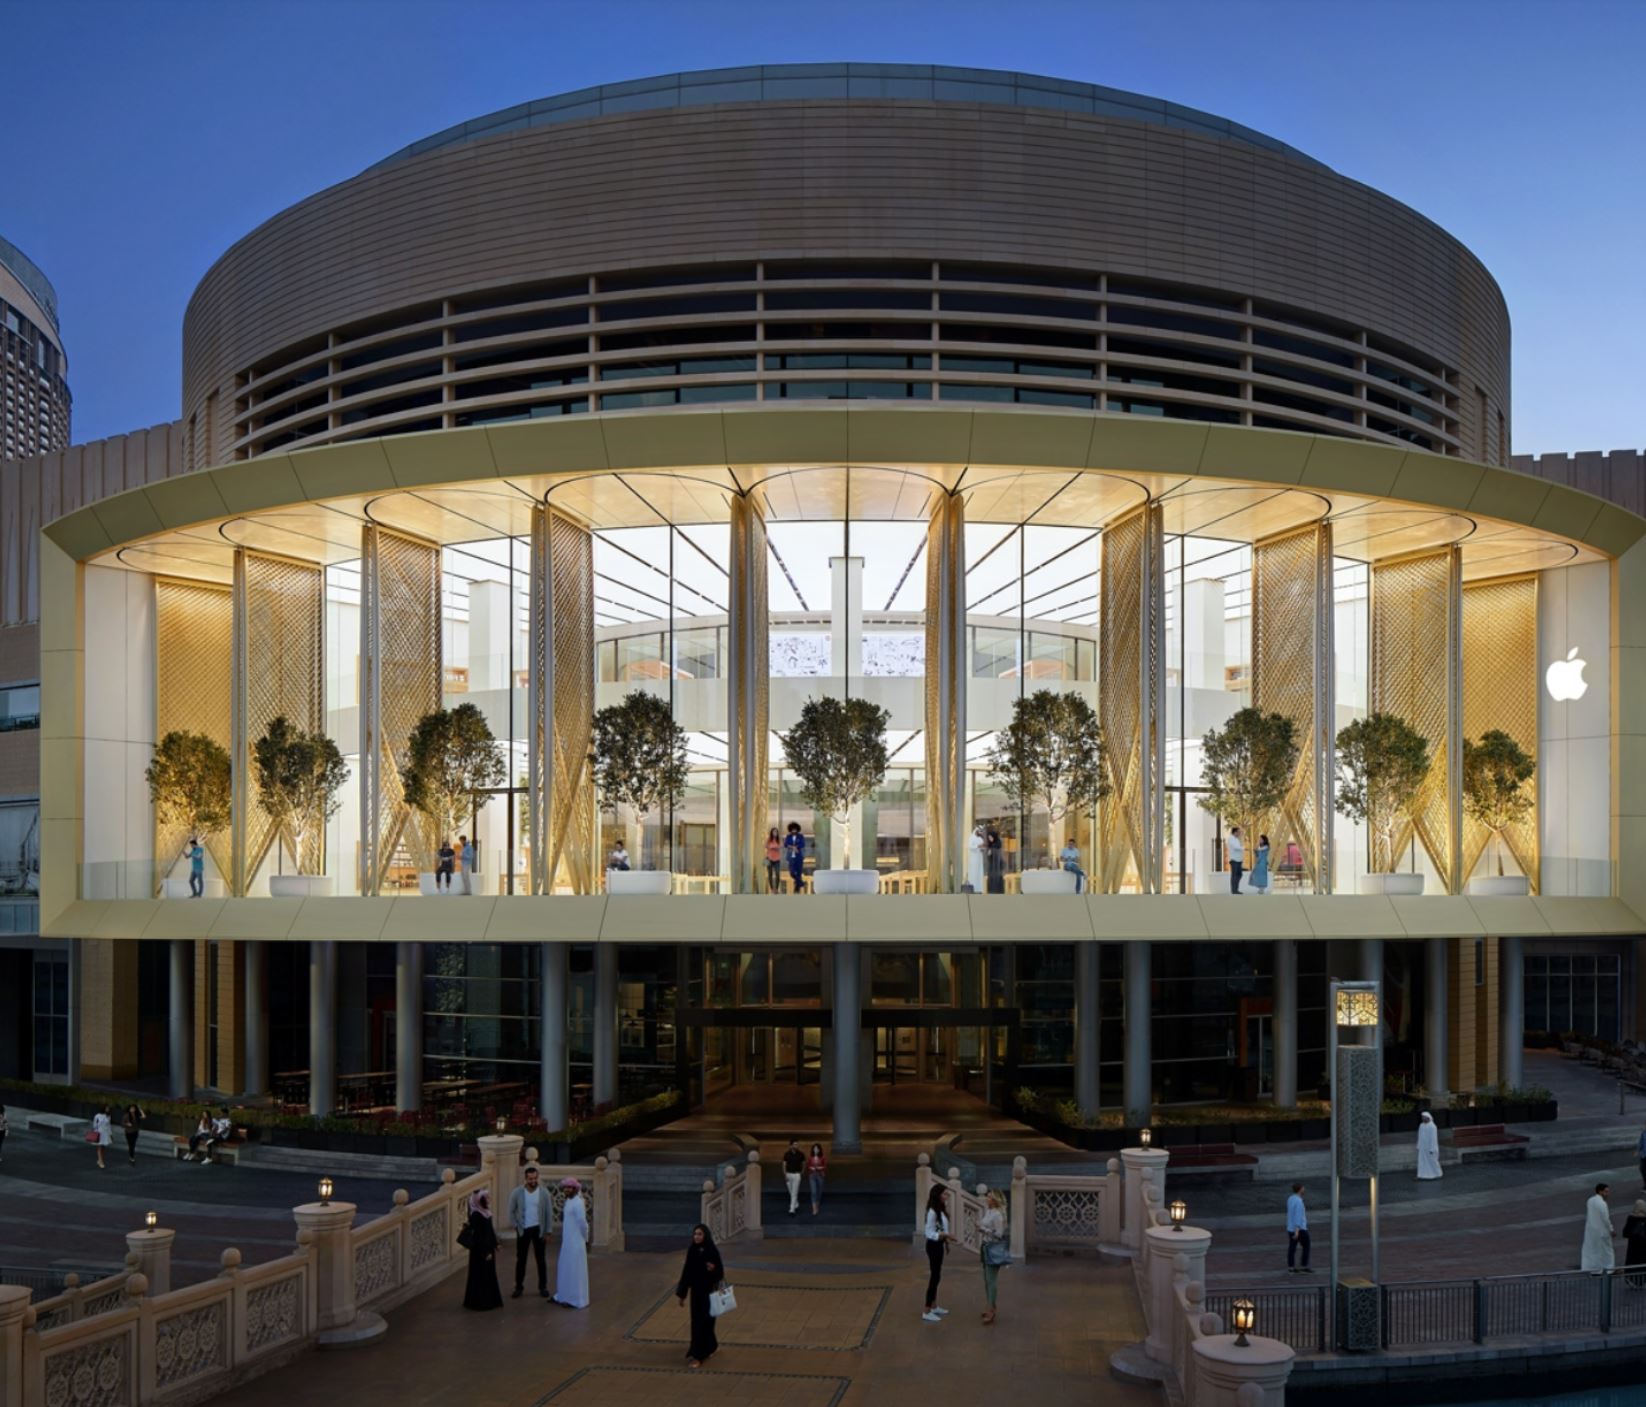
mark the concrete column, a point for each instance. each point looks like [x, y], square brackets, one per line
[1139, 1075]
[323, 1030]
[180, 1047]
[153, 1252]
[1145, 1167]
[1284, 1024]
[1436, 1057]
[1171, 1252]
[1087, 956]
[1371, 970]
[605, 1026]
[553, 1094]
[255, 990]
[489, 625]
[14, 1304]
[325, 1227]
[847, 1018]
[502, 1152]
[408, 1025]
[1230, 1374]
[1511, 1012]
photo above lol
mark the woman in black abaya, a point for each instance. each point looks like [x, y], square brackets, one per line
[703, 1271]
[481, 1292]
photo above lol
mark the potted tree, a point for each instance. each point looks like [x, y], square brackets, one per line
[1050, 755]
[190, 782]
[450, 756]
[1383, 761]
[1247, 766]
[299, 775]
[838, 750]
[638, 755]
[1495, 773]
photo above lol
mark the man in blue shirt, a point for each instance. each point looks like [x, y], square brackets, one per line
[1297, 1231]
[197, 867]
[1640, 1152]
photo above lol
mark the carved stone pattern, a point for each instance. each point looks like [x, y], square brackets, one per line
[427, 1241]
[374, 1269]
[189, 1344]
[54, 1318]
[557, 1200]
[739, 1209]
[271, 1314]
[90, 1375]
[103, 1303]
[1066, 1214]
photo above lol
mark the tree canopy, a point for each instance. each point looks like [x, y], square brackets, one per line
[638, 754]
[191, 783]
[1495, 772]
[1247, 766]
[1382, 760]
[299, 775]
[837, 749]
[450, 756]
[1051, 755]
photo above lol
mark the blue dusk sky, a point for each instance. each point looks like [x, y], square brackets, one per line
[146, 136]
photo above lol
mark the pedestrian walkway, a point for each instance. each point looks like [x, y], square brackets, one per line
[817, 1325]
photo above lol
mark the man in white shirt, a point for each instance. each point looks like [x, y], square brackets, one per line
[1237, 858]
[531, 1212]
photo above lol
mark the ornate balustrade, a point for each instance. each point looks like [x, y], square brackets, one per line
[732, 1210]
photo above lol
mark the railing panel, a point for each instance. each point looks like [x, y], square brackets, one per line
[191, 1342]
[1629, 1299]
[1297, 1317]
[1066, 1213]
[272, 1310]
[83, 1365]
[376, 1261]
[1437, 1312]
[429, 1238]
[1543, 1304]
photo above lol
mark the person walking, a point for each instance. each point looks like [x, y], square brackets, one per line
[443, 875]
[1236, 849]
[131, 1124]
[794, 851]
[996, 1252]
[571, 1276]
[1428, 1148]
[1260, 866]
[1640, 1152]
[994, 861]
[1297, 1232]
[817, 1168]
[532, 1213]
[480, 1291]
[102, 1128]
[1069, 858]
[1634, 1241]
[197, 867]
[699, 1276]
[774, 861]
[794, 1164]
[2, 1132]
[465, 853]
[1599, 1255]
[938, 1237]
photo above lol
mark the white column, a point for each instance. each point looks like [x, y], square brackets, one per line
[489, 635]
[14, 1304]
[502, 1150]
[322, 1027]
[1436, 1056]
[153, 1252]
[408, 1025]
[847, 1019]
[1284, 1023]
[1145, 1167]
[255, 986]
[846, 618]
[1172, 1252]
[1229, 1374]
[1139, 1074]
[180, 1046]
[1511, 1012]
[1087, 958]
[553, 1098]
[605, 1025]
[326, 1226]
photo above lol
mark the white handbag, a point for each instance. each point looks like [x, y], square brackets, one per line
[722, 1300]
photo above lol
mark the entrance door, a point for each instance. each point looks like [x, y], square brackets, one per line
[1260, 1052]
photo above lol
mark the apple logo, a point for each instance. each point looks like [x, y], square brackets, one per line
[1565, 678]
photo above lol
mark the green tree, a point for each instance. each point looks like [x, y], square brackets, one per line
[298, 777]
[450, 756]
[191, 783]
[1247, 766]
[1495, 772]
[1051, 755]
[1382, 761]
[638, 754]
[837, 749]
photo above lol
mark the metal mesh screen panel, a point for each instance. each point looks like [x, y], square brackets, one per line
[193, 642]
[569, 571]
[1500, 682]
[946, 675]
[749, 694]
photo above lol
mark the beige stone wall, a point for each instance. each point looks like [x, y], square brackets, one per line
[108, 1009]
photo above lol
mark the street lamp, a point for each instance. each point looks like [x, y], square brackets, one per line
[325, 1192]
[1355, 1070]
[1243, 1314]
[1179, 1213]
[151, 1220]
[502, 1124]
[1145, 1137]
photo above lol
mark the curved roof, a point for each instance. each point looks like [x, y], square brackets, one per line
[29, 274]
[791, 82]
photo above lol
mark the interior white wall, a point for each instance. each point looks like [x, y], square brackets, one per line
[119, 719]
[1574, 738]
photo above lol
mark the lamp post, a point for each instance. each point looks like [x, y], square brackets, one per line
[502, 1124]
[1145, 1137]
[325, 1191]
[1355, 1007]
[151, 1220]
[1179, 1213]
[1243, 1317]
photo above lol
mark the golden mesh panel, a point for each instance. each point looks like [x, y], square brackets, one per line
[279, 669]
[537, 737]
[1414, 673]
[193, 647]
[1500, 685]
[1120, 699]
[401, 681]
[1290, 576]
[749, 695]
[570, 575]
[946, 674]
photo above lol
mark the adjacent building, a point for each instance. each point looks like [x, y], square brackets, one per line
[934, 387]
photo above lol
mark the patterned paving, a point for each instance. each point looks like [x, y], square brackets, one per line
[832, 1318]
[685, 1387]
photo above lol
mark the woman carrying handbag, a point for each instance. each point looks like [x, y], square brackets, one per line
[996, 1250]
[700, 1279]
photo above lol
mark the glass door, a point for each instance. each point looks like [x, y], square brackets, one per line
[1260, 1051]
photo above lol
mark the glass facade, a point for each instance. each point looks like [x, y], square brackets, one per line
[1578, 993]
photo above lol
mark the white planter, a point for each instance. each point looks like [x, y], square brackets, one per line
[639, 881]
[1502, 886]
[1389, 884]
[427, 886]
[845, 881]
[1046, 882]
[179, 889]
[300, 886]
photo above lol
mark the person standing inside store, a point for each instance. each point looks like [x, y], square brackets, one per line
[465, 852]
[1236, 848]
[1260, 866]
[794, 1165]
[531, 1211]
[443, 875]
[994, 861]
[774, 861]
[1297, 1231]
[794, 851]
[197, 867]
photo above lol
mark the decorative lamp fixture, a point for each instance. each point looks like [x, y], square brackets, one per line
[502, 1124]
[1145, 1137]
[325, 1191]
[151, 1220]
[1243, 1314]
[1179, 1213]
[1356, 1006]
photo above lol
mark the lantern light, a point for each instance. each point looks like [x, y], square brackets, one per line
[1356, 1006]
[502, 1124]
[1145, 1137]
[325, 1191]
[1243, 1313]
[151, 1220]
[1179, 1212]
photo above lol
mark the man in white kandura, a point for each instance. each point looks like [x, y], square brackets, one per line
[571, 1287]
[1598, 1252]
[1428, 1149]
